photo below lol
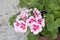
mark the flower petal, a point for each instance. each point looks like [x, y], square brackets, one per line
[35, 28]
[36, 12]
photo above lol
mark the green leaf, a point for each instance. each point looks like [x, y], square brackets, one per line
[57, 14]
[46, 33]
[49, 19]
[54, 25]
[54, 7]
[24, 3]
[49, 34]
[54, 34]
[12, 19]
[31, 36]
[33, 4]
[28, 29]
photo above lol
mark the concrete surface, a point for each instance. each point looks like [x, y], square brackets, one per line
[7, 9]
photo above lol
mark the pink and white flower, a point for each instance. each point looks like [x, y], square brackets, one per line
[36, 12]
[26, 11]
[40, 21]
[18, 17]
[20, 26]
[24, 17]
[24, 14]
[35, 28]
[16, 25]
[30, 20]
[35, 23]
[39, 16]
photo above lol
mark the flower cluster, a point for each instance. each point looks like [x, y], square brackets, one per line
[24, 20]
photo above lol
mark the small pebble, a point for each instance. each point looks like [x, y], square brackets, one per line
[0, 25]
[6, 13]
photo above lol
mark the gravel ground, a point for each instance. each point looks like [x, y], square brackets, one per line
[7, 9]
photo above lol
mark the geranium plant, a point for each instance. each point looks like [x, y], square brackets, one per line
[38, 18]
[24, 20]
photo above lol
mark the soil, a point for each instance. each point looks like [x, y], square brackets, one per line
[44, 38]
[58, 38]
